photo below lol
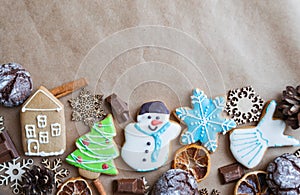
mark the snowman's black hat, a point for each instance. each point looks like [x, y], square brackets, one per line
[154, 107]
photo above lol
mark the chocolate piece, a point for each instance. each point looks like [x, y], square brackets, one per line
[119, 108]
[231, 172]
[130, 186]
[176, 181]
[8, 150]
[284, 175]
[290, 106]
[15, 84]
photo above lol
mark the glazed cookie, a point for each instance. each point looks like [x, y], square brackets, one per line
[43, 125]
[148, 141]
[284, 175]
[96, 150]
[204, 121]
[175, 181]
[249, 144]
[15, 84]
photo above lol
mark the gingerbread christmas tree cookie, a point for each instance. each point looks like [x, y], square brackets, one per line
[97, 149]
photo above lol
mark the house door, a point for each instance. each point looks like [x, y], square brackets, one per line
[33, 147]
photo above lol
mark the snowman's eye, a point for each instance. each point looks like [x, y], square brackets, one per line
[157, 118]
[149, 117]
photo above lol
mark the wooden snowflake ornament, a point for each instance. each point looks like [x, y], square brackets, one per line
[243, 105]
[58, 173]
[13, 173]
[87, 108]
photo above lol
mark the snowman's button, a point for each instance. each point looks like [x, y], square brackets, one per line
[148, 143]
[146, 151]
[144, 160]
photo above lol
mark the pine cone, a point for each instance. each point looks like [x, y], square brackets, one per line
[290, 106]
[38, 181]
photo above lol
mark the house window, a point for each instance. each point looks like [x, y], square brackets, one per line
[44, 139]
[55, 129]
[30, 131]
[42, 121]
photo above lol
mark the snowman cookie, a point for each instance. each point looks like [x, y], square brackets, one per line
[147, 142]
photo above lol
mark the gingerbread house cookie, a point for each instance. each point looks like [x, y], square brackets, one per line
[43, 125]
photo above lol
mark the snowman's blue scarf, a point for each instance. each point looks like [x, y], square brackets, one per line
[156, 137]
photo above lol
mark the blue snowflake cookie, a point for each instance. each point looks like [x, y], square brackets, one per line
[204, 121]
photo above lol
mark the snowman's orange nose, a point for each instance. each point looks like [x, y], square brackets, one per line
[156, 122]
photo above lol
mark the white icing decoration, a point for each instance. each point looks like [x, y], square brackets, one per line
[248, 145]
[59, 107]
[35, 147]
[30, 131]
[1, 124]
[55, 129]
[134, 150]
[43, 137]
[43, 153]
[41, 121]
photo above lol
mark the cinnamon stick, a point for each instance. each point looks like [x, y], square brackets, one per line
[69, 87]
[99, 186]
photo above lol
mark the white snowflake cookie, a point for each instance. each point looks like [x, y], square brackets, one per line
[243, 105]
[57, 170]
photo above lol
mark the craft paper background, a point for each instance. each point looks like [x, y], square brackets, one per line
[153, 50]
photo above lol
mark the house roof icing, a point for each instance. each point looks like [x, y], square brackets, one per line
[42, 100]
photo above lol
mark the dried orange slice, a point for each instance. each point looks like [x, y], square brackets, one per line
[75, 186]
[193, 158]
[253, 183]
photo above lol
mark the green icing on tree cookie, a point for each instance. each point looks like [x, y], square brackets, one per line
[97, 149]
